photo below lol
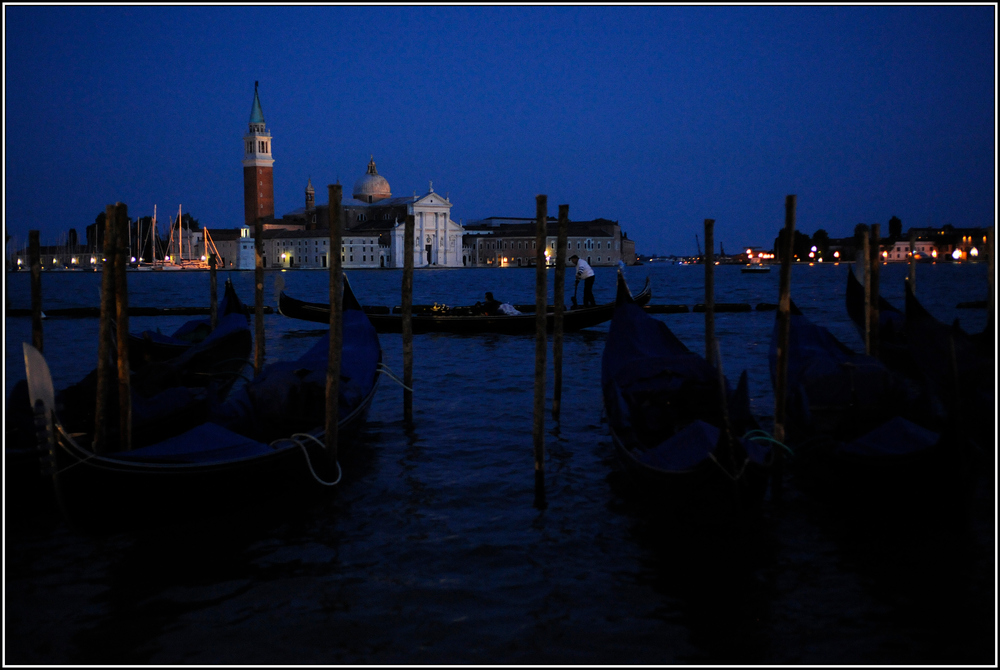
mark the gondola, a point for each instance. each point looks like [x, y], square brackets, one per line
[960, 368]
[264, 440]
[462, 320]
[167, 395]
[670, 427]
[232, 332]
[892, 349]
[173, 389]
[957, 367]
[865, 437]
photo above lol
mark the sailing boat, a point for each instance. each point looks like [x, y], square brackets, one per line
[169, 262]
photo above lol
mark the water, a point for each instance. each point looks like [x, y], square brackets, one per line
[433, 550]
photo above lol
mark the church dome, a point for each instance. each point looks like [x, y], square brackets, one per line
[372, 186]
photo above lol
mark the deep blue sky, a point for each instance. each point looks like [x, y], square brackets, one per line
[657, 117]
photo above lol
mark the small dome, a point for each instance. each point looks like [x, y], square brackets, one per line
[372, 186]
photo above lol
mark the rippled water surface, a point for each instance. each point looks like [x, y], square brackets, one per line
[434, 549]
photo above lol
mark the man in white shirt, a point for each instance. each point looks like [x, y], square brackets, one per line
[586, 273]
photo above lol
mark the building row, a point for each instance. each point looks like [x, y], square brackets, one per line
[372, 228]
[373, 225]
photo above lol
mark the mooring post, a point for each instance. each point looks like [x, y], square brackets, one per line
[258, 298]
[991, 294]
[35, 259]
[867, 266]
[559, 306]
[913, 261]
[407, 319]
[541, 213]
[108, 307]
[710, 292]
[121, 314]
[876, 261]
[784, 321]
[213, 292]
[336, 324]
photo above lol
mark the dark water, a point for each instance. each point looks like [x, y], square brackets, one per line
[432, 550]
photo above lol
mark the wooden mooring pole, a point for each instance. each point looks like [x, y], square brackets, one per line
[35, 259]
[559, 306]
[258, 297]
[866, 265]
[913, 262]
[784, 321]
[541, 213]
[121, 226]
[407, 319]
[991, 295]
[104, 337]
[710, 292]
[213, 292]
[336, 325]
[876, 262]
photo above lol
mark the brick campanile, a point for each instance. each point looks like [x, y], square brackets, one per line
[258, 180]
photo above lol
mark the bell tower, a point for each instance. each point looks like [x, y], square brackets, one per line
[258, 181]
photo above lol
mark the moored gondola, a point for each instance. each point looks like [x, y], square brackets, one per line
[955, 367]
[231, 332]
[866, 437]
[674, 428]
[264, 440]
[960, 368]
[461, 320]
[892, 349]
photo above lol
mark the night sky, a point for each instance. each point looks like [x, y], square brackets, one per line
[657, 117]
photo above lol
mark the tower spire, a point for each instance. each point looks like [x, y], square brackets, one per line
[256, 112]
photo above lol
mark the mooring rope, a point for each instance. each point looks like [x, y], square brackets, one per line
[735, 477]
[59, 429]
[384, 369]
[296, 439]
[758, 435]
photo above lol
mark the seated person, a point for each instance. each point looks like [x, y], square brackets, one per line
[492, 306]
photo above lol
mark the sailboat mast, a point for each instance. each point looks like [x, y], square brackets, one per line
[180, 236]
[154, 234]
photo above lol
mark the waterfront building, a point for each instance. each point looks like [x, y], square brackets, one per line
[372, 235]
[372, 211]
[510, 242]
[373, 220]
[949, 242]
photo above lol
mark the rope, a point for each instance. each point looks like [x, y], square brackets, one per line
[726, 472]
[296, 439]
[60, 429]
[384, 369]
[758, 435]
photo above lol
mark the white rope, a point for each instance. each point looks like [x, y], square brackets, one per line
[295, 438]
[732, 477]
[59, 429]
[384, 369]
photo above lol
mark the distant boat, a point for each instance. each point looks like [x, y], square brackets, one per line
[755, 266]
[461, 320]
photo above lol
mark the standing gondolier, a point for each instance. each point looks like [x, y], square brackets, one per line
[586, 273]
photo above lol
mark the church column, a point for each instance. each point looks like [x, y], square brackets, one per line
[421, 242]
